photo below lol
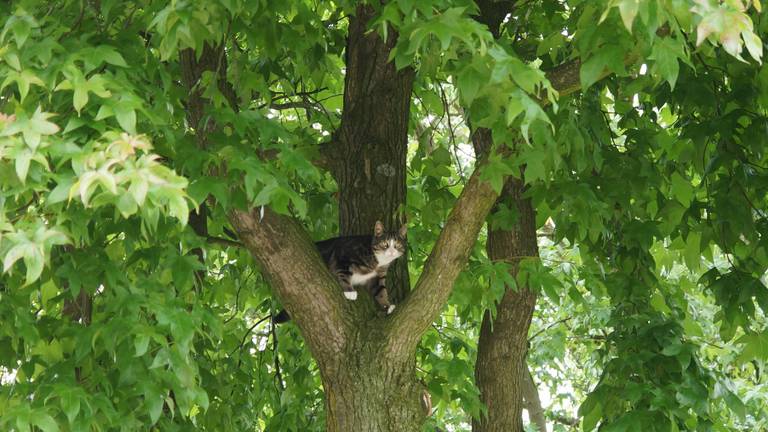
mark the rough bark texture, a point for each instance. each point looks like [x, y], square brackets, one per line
[503, 340]
[372, 392]
[371, 143]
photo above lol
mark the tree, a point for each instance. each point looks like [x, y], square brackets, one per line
[165, 168]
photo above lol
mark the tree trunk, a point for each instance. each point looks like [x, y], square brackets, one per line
[365, 390]
[372, 140]
[503, 343]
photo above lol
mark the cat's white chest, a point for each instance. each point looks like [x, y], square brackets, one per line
[361, 278]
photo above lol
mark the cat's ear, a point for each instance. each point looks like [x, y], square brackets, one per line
[403, 230]
[378, 229]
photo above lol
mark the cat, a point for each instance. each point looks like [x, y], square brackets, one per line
[362, 260]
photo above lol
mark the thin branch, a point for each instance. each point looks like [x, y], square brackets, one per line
[278, 374]
[223, 241]
[248, 332]
[77, 23]
[568, 421]
[446, 108]
[237, 296]
[549, 327]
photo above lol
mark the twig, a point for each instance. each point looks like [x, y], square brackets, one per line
[549, 327]
[223, 241]
[447, 109]
[77, 23]
[250, 329]
[237, 297]
[278, 374]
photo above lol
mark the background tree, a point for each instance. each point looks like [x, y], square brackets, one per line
[151, 151]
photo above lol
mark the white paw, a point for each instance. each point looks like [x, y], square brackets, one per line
[390, 309]
[350, 295]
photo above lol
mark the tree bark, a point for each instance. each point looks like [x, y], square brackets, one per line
[372, 391]
[371, 142]
[503, 343]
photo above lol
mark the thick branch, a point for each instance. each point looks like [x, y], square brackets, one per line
[298, 277]
[565, 77]
[566, 80]
[320, 158]
[448, 257]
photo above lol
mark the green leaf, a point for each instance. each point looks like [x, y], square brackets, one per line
[13, 60]
[126, 117]
[754, 45]
[514, 108]
[755, 347]
[22, 164]
[692, 254]
[666, 53]
[469, 83]
[60, 192]
[658, 303]
[138, 189]
[70, 404]
[628, 10]
[105, 111]
[45, 422]
[16, 253]
[141, 343]
[34, 261]
[80, 97]
[127, 205]
[177, 207]
[495, 172]
[111, 56]
[154, 407]
[609, 58]
[591, 412]
[682, 189]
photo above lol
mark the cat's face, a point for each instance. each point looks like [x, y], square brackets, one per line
[388, 246]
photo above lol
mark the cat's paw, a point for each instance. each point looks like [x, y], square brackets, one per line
[350, 295]
[390, 309]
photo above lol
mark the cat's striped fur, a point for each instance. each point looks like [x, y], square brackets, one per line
[362, 260]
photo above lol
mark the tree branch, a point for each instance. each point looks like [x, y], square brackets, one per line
[298, 277]
[531, 399]
[566, 80]
[446, 260]
[223, 241]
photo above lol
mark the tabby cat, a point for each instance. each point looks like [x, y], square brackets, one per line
[362, 260]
